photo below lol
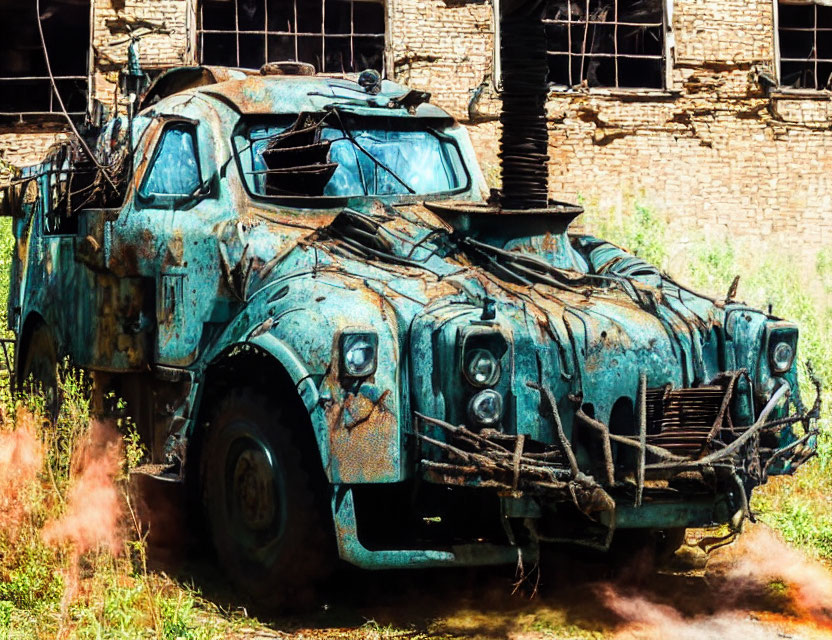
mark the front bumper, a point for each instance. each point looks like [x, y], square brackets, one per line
[546, 497]
[352, 550]
[692, 475]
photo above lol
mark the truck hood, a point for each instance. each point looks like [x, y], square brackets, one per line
[577, 330]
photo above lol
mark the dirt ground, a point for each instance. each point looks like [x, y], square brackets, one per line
[755, 589]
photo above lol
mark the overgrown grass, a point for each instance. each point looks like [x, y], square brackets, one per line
[47, 590]
[6, 255]
[796, 288]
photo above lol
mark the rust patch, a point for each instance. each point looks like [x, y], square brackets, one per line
[124, 260]
[360, 410]
[364, 438]
[147, 248]
[175, 250]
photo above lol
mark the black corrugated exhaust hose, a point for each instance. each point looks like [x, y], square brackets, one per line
[525, 140]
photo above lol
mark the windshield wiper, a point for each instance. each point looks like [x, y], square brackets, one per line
[379, 163]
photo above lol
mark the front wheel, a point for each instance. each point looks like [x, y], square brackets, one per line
[268, 523]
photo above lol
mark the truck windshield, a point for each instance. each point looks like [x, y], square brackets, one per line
[346, 156]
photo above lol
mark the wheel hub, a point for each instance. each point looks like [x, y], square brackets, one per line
[253, 488]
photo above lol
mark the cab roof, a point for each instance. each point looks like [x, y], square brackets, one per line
[250, 93]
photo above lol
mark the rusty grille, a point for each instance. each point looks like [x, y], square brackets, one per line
[681, 420]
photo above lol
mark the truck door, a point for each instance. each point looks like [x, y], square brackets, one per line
[166, 234]
[93, 316]
[53, 284]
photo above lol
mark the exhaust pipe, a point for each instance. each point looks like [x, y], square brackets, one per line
[524, 145]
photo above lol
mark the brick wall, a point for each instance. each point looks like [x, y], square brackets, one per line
[25, 148]
[442, 46]
[167, 27]
[713, 151]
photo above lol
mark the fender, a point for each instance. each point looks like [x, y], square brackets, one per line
[305, 386]
[358, 431]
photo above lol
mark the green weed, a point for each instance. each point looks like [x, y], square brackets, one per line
[48, 592]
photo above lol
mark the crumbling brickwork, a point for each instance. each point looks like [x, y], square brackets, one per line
[166, 27]
[20, 149]
[715, 149]
[443, 46]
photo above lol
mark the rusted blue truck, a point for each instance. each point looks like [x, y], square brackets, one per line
[321, 322]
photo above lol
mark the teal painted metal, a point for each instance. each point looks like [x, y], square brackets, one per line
[467, 555]
[618, 387]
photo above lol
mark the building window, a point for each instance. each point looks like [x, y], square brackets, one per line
[25, 89]
[805, 43]
[337, 36]
[606, 43]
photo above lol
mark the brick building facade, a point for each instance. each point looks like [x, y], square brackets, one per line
[718, 111]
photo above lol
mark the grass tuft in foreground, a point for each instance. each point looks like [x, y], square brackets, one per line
[71, 562]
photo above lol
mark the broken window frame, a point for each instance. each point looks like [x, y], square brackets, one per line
[778, 54]
[267, 33]
[7, 83]
[666, 56]
[67, 84]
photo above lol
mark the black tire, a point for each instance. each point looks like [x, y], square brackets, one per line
[39, 373]
[269, 524]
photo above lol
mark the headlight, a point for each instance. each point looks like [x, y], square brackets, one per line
[782, 356]
[481, 368]
[486, 408]
[781, 343]
[358, 354]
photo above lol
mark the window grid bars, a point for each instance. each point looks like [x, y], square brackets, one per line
[294, 33]
[813, 56]
[53, 108]
[616, 55]
[615, 43]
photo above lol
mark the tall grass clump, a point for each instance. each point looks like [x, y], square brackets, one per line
[73, 562]
[795, 288]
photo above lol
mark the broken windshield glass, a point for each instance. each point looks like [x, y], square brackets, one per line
[339, 155]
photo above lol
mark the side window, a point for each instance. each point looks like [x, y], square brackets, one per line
[175, 169]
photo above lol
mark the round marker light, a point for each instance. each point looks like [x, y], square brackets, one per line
[782, 357]
[486, 408]
[481, 368]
